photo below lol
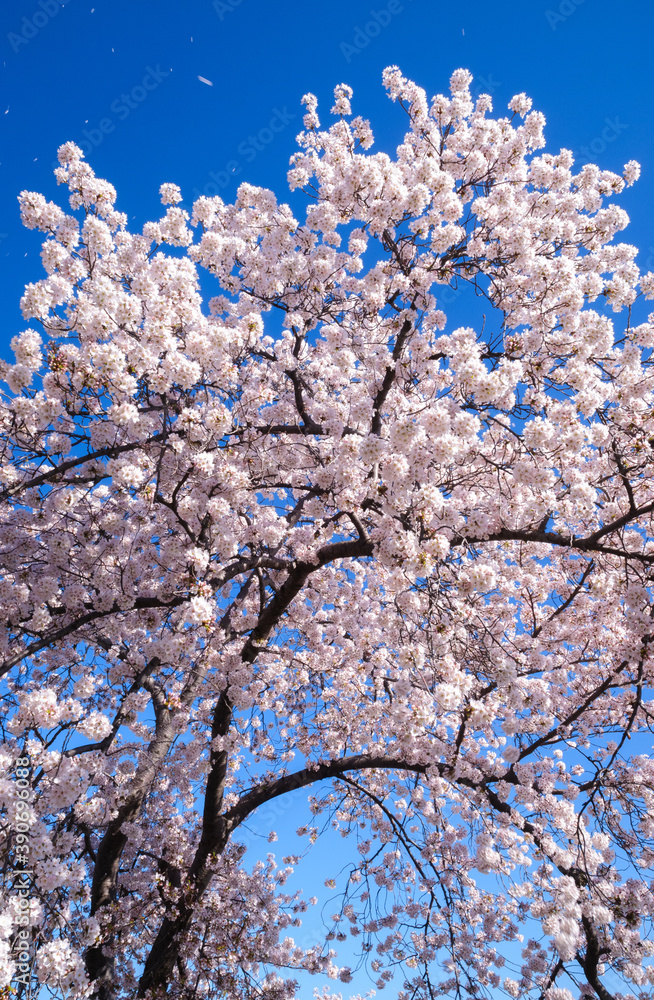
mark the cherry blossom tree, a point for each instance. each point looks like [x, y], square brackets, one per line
[317, 540]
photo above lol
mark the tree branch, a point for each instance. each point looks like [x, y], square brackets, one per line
[389, 378]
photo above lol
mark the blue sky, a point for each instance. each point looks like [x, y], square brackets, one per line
[122, 79]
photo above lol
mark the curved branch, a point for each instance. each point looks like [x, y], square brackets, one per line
[141, 603]
[309, 775]
[109, 452]
[588, 544]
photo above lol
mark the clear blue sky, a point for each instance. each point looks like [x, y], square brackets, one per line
[131, 68]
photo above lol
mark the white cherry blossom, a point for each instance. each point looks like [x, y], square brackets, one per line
[316, 535]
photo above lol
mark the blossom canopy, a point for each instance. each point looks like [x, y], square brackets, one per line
[316, 536]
